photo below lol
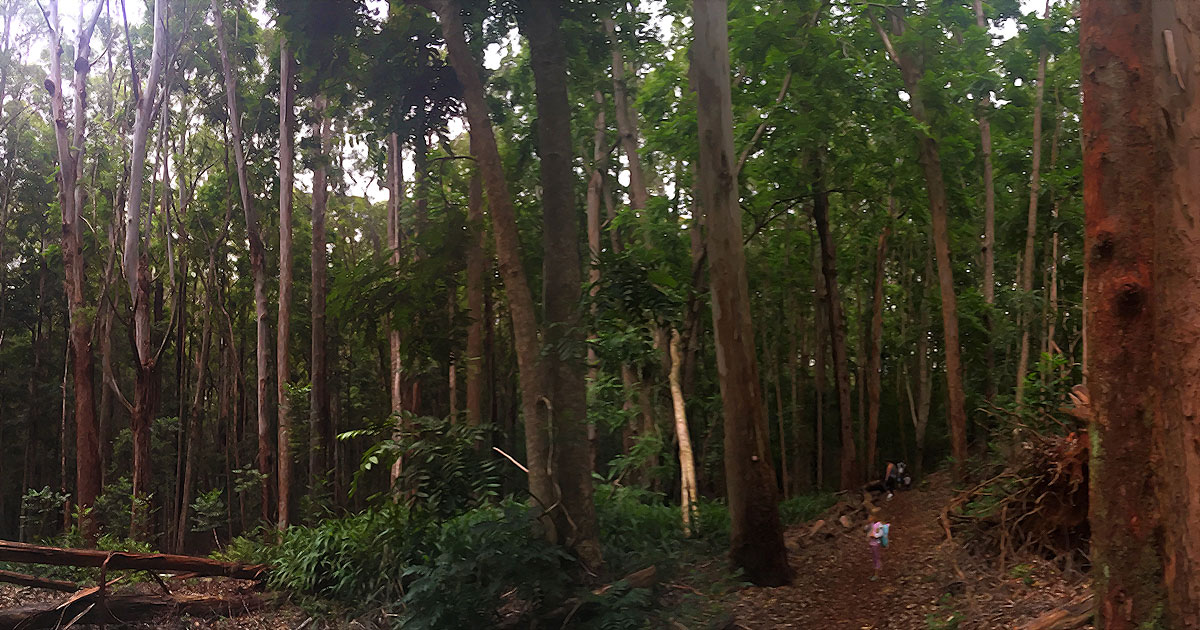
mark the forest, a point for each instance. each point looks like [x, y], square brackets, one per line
[599, 314]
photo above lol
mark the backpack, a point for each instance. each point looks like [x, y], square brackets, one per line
[883, 540]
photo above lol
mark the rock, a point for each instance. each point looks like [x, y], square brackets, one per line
[846, 521]
[816, 527]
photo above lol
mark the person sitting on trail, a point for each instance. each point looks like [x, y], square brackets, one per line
[877, 539]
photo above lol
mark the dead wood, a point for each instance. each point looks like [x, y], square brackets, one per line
[1072, 616]
[120, 609]
[165, 563]
[37, 582]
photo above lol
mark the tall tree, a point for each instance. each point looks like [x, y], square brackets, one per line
[320, 433]
[756, 537]
[579, 531]
[912, 71]
[88, 471]
[1035, 187]
[283, 329]
[137, 273]
[258, 266]
[989, 217]
[837, 325]
[1142, 183]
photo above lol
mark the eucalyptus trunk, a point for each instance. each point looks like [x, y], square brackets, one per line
[283, 326]
[258, 266]
[88, 469]
[756, 535]
[320, 431]
[1141, 189]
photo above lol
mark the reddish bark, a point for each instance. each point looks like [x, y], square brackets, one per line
[88, 470]
[1141, 186]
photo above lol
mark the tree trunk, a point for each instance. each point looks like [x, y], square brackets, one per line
[1035, 186]
[924, 390]
[88, 470]
[785, 482]
[931, 163]
[626, 123]
[687, 464]
[837, 328]
[560, 229]
[1141, 186]
[259, 269]
[802, 476]
[395, 195]
[320, 433]
[756, 535]
[137, 274]
[476, 270]
[564, 373]
[989, 222]
[283, 326]
[820, 380]
[875, 361]
[1052, 302]
[595, 190]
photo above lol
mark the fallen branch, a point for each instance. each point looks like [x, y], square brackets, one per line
[122, 609]
[37, 582]
[1072, 616]
[160, 562]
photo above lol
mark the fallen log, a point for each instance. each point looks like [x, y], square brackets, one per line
[122, 609]
[22, 553]
[36, 582]
[1076, 614]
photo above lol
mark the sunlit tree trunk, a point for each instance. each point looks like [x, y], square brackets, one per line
[1141, 91]
[756, 535]
[687, 464]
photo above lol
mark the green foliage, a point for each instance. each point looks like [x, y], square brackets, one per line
[358, 559]
[478, 561]
[444, 472]
[208, 510]
[41, 510]
[805, 507]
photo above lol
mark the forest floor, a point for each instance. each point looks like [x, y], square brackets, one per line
[927, 583]
[920, 587]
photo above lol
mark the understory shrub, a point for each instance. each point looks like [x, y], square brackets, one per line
[805, 507]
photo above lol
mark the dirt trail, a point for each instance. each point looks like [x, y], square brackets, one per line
[919, 588]
[833, 588]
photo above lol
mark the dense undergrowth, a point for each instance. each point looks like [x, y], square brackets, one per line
[447, 552]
